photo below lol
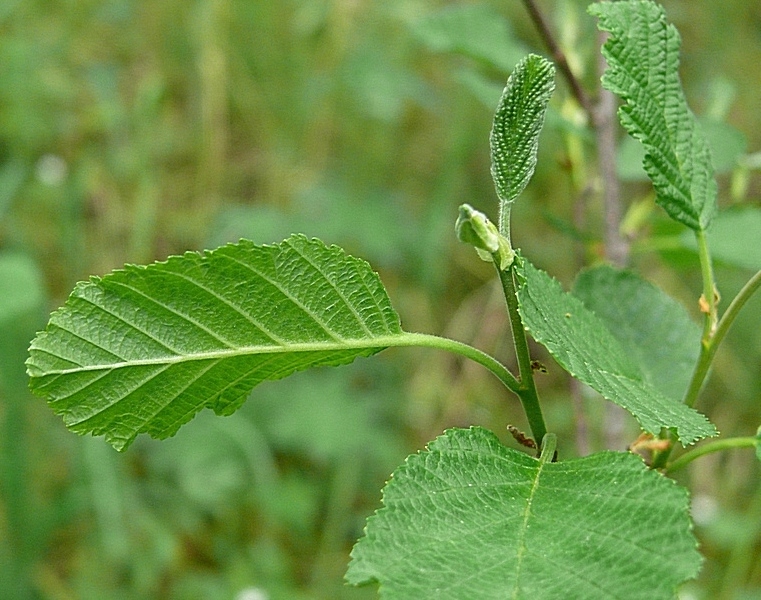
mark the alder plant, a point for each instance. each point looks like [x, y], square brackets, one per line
[145, 348]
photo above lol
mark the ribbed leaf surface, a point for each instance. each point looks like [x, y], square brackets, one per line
[516, 128]
[643, 61]
[145, 348]
[584, 346]
[470, 518]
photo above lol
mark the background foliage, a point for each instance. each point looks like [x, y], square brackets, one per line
[131, 130]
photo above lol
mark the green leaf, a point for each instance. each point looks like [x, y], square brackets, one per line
[643, 61]
[727, 146]
[515, 132]
[656, 330]
[758, 443]
[582, 344]
[474, 30]
[144, 349]
[471, 518]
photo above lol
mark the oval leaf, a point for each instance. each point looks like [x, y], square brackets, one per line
[145, 348]
[515, 132]
[471, 518]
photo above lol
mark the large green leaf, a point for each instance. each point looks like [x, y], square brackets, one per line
[643, 62]
[145, 348]
[584, 346]
[471, 518]
[655, 329]
[515, 132]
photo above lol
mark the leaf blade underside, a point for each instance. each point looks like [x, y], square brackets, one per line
[143, 349]
[642, 53]
[657, 331]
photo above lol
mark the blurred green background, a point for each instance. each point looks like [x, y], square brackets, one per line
[135, 129]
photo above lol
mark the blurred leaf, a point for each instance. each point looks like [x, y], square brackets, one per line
[733, 237]
[514, 138]
[21, 289]
[378, 227]
[727, 143]
[143, 349]
[652, 326]
[326, 417]
[471, 518]
[207, 467]
[643, 69]
[12, 176]
[487, 91]
[584, 346]
[379, 86]
[758, 443]
[474, 30]
[727, 146]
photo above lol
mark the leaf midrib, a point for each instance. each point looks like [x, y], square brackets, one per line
[401, 339]
[522, 541]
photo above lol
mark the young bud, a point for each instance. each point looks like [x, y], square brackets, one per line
[474, 227]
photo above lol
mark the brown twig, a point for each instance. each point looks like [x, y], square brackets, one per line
[559, 57]
[605, 126]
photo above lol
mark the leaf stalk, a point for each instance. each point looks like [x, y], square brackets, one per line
[492, 364]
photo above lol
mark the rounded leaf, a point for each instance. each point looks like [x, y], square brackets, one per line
[471, 518]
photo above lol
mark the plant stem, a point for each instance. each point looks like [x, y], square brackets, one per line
[605, 126]
[616, 246]
[527, 388]
[715, 446]
[710, 295]
[713, 332]
[708, 350]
